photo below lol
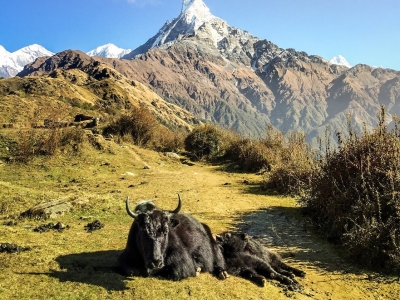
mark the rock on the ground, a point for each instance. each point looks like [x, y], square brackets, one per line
[54, 208]
[172, 155]
[12, 248]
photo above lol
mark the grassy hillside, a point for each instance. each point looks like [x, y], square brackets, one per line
[99, 92]
[75, 264]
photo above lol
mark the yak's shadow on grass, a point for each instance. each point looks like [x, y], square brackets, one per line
[283, 229]
[95, 268]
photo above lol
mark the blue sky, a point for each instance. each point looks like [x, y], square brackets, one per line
[363, 31]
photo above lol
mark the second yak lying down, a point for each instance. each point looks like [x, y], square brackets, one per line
[247, 258]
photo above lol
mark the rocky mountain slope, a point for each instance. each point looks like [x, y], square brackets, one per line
[226, 75]
[289, 88]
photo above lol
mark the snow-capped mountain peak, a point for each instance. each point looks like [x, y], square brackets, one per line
[340, 60]
[109, 51]
[193, 16]
[4, 56]
[2, 50]
[196, 12]
[12, 63]
[28, 54]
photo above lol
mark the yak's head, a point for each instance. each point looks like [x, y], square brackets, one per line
[153, 227]
[232, 242]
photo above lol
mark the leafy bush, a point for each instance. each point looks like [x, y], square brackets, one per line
[354, 196]
[204, 141]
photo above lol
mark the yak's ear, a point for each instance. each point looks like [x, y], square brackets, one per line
[244, 236]
[219, 238]
[173, 223]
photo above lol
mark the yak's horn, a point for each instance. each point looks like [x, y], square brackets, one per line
[128, 210]
[176, 210]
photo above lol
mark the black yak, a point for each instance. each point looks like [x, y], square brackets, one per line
[169, 244]
[247, 258]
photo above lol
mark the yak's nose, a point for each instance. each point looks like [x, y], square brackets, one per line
[155, 264]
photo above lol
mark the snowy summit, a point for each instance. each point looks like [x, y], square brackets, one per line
[340, 60]
[193, 15]
[196, 13]
[109, 51]
[13, 63]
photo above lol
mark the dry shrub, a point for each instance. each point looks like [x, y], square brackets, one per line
[139, 124]
[287, 160]
[204, 141]
[257, 154]
[143, 129]
[251, 155]
[33, 142]
[354, 197]
[165, 140]
[294, 164]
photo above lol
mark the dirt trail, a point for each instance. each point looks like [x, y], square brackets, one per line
[329, 276]
[277, 223]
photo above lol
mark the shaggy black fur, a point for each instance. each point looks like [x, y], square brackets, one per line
[247, 258]
[170, 245]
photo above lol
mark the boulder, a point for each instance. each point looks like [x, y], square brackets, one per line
[172, 155]
[54, 208]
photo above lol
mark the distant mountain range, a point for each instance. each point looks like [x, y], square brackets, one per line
[226, 75]
[13, 63]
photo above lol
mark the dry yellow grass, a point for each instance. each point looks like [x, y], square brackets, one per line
[73, 264]
[33, 99]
